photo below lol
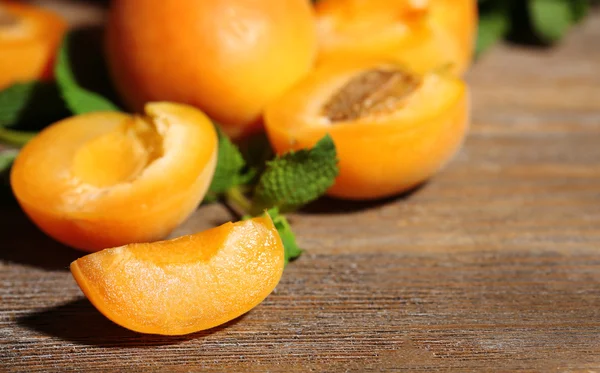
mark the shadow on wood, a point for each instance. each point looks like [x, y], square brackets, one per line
[23, 243]
[328, 205]
[79, 322]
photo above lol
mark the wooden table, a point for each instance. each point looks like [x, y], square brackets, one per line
[494, 265]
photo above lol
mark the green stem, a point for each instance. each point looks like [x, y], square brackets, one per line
[17, 138]
[238, 202]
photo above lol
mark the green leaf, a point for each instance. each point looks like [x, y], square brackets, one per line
[30, 104]
[494, 24]
[288, 238]
[7, 157]
[297, 178]
[551, 19]
[230, 166]
[257, 151]
[79, 100]
[579, 9]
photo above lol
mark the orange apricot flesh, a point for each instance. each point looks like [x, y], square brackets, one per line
[188, 284]
[392, 128]
[29, 37]
[107, 179]
[423, 35]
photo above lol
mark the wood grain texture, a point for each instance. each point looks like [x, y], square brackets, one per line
[492, 266]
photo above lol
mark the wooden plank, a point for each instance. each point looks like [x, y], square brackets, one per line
[494, 265]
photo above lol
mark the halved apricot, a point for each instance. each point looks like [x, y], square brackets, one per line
[187, 284]
[392, 128]
[424, 35]
[107, 179]
[29, 37]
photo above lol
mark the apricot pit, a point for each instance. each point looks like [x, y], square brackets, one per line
[7, 19]
[372, 92]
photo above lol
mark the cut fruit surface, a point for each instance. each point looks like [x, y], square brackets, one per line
[107, 179]
[187, 284]
[29, 37]
[421, 34]
[392, 128]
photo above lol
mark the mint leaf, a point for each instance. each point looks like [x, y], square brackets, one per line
[551, 19]
[79, 100]
[31, 103]
[257, 151]
[297, 178]
[494, 24]
[288, 238]
[230, 166]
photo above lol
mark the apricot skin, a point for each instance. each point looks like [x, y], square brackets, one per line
[459, 19]
[65, 203]
[187, 284]
[229, 57]
[28, 48]
[433, 35]
[379, 156]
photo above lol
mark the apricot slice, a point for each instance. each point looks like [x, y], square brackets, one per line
[228, 57]
[423, 35]
[29, 37]
[107, 179]
[392, 128]
[187, 284]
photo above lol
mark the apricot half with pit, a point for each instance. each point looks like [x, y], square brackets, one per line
[29, 37]
[187, 284]
[392, 128]
[107, 179]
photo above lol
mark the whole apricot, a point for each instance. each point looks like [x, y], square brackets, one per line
[107, 179]
[228, 57]
[29, 37]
